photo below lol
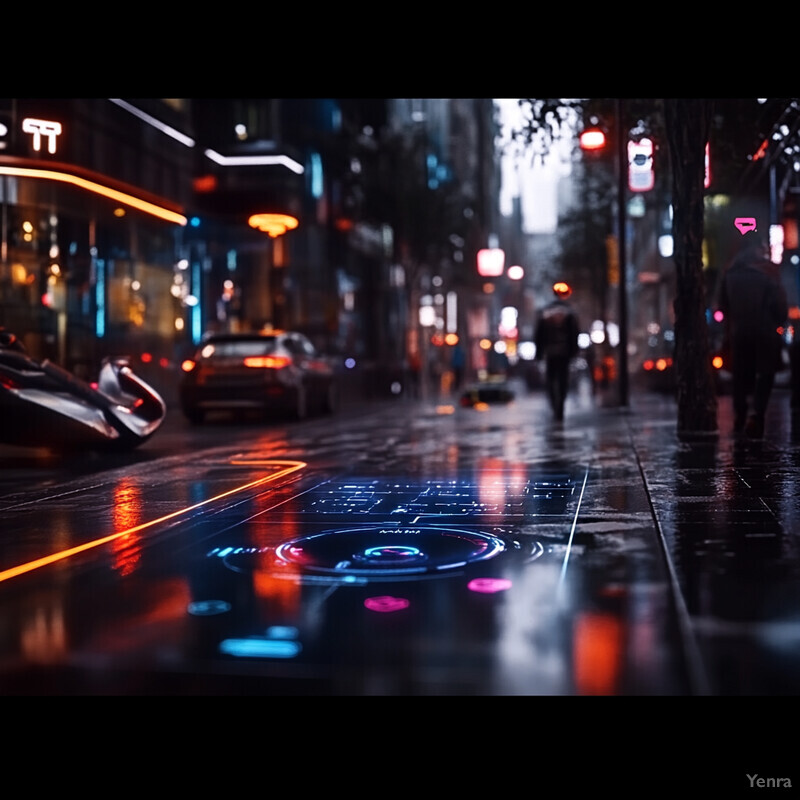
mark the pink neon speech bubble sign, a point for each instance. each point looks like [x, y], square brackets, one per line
[745, 224]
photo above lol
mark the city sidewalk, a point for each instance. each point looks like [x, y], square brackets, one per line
[727, 511]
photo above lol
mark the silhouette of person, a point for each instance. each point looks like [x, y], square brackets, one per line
[755, 306]
[415, 373]
[556, 340]
[458, 362]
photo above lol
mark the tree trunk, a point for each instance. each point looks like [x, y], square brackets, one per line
[687, 124]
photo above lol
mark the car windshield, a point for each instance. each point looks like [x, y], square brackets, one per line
[238, 348]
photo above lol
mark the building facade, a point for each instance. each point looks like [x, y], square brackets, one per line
[134, 226]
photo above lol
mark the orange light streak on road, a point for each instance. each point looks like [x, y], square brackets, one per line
[21, 569]
[126, 514]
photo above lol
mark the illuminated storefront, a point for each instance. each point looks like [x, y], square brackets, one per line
[87, 260]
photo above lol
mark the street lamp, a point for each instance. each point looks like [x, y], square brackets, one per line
[275, 226]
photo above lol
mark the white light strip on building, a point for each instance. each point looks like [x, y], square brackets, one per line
[177, 135]
[253, 161]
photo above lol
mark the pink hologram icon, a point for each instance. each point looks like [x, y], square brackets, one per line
[386, 603]
[745, 224]
[489, 585]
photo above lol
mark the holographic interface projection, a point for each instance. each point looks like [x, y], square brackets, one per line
[378, 529]
[381, 540]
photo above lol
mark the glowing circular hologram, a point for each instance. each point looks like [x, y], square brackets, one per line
[207, 608]
[387, 552]
[259, 647]
[390, 554]
[386, 603]
[489, 585]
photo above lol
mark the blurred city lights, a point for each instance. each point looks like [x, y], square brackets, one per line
[527, 351]
[776, 243]
[491, 262]
[427, 316]
[597, 333]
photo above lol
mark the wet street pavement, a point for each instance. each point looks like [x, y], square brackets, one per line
[410, 549]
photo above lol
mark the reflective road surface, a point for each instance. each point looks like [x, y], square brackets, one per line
[398, 548]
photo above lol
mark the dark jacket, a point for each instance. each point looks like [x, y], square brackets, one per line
[557, 331]
[754, 303]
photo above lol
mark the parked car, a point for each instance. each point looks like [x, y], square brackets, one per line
[264, 372]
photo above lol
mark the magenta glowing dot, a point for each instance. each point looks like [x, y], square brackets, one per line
[386, 603]
[489, 585]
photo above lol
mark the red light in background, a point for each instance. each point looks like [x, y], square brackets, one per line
[205, 183]
[762, 151]
[592, 139]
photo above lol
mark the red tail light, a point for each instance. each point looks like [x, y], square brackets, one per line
[267, 362]
[8, 383]
[188, 365]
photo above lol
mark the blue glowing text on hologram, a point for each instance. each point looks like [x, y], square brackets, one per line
[260, 648]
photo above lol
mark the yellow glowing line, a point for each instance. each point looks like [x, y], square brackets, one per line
[13, 572]
[97, 188]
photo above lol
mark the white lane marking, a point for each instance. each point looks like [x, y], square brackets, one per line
[571, 537]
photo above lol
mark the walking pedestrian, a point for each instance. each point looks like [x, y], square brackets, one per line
[556, 342]
[415, 374]
[755, 306]
[458, 362]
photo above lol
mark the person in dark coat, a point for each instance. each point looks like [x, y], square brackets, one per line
[755, 306]
[556, 342]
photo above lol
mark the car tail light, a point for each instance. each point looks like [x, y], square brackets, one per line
[8, 383]
[267, 362]
[188, 365]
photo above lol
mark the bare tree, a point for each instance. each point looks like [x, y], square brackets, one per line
[687, 123]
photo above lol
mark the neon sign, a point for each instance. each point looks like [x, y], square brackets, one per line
[40, 128]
